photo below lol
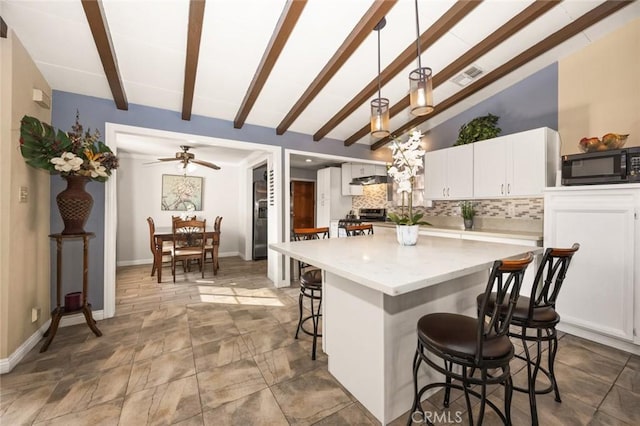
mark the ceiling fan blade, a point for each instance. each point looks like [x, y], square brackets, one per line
[170, 159]
[206, 164]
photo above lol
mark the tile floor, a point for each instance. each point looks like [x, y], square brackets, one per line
[220, 351]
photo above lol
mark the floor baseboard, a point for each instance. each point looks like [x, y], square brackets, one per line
[7, 364]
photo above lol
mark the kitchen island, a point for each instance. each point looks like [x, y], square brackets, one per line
[374, 292]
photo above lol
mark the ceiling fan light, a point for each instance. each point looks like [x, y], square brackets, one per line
[380, 118]
[186, 167]
[421, 91]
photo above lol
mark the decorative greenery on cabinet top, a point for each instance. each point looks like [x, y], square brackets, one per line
[478, 129]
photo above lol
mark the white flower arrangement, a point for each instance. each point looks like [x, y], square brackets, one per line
[407, 162]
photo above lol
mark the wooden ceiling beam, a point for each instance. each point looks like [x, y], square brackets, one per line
[287, 22]
[194, 35]
[515, 24]
[590, 18]
[100, 30]
[361, 31]
[3, 28]
[443, 25]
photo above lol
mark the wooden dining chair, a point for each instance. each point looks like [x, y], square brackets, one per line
[167, 247]
[188, 243]
[212, 245]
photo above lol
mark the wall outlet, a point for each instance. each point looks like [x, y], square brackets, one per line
[457, 211]
[35, 314]
[511, 210]
[23, 194]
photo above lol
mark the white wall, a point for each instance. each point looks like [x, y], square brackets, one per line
[139, 193]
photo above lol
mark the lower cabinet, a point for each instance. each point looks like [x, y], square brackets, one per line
[601, 294]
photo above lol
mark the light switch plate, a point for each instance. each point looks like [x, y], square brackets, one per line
[23, 194]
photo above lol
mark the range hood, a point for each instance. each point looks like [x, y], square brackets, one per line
[369, 180]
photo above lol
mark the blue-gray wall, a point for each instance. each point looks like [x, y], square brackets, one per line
[528, 104]
[94, 113]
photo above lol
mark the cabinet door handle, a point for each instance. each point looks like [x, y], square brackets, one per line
[443, 189]
[448, 192]
[508, 188]
[502, 189]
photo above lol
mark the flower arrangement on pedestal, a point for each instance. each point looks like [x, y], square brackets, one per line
[74, 153]
[77, 156]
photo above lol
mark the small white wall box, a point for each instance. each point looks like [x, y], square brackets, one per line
[41, 98]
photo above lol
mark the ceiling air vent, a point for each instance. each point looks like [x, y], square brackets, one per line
[467, 76]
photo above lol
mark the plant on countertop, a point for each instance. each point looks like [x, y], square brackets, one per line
[407, 161]
[467, 210]
[478, 129]
[71, 153]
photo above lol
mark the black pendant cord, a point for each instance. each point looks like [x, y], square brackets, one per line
[379, 87]
[418, 36]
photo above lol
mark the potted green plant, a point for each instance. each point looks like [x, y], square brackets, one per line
[468, 211]
[478, 129]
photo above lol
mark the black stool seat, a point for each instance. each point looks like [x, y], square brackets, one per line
[312, 278]
[458, 336]
[541, 315]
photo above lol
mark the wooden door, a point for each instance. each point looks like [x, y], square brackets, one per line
[303, 209]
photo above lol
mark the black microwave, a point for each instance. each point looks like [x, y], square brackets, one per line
[602, 167]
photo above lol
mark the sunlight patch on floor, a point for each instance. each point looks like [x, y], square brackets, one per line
[239, 296]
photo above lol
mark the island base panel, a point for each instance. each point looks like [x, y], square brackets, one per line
[370, 338]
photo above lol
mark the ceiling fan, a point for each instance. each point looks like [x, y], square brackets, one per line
[186, 157]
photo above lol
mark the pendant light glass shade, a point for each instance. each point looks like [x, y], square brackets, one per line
[380, 118]
[420, 84]
[380, 105]
[421, 91]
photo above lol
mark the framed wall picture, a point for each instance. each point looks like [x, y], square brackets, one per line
[181, 193]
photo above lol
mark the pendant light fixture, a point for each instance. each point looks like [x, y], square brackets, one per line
[380, 105]
[420, 84]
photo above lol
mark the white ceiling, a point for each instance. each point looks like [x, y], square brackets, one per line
[149, 39]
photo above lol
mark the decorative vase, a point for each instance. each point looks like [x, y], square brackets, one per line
[74, 204]
[407, 235]
[468, 223]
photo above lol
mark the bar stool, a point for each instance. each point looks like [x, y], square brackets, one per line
[472, 344]
[538, 313]
[310, 286]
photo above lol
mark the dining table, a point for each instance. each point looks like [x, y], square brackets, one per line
[163, 234]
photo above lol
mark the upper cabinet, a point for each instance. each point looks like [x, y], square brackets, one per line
[520, 164]
[449, 173]
[347, 188]
[362, 170]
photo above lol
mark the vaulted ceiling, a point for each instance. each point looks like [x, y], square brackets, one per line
[297, 65]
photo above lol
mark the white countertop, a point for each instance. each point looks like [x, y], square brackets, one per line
[498, 233]
[380, 263]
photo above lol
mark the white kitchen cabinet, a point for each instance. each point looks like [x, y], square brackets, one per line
[362, 170]
[600, 297]
[330, 203]
[347, 188]
[449, 173]
[520, 164]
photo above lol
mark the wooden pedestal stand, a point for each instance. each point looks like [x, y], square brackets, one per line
[60, 311]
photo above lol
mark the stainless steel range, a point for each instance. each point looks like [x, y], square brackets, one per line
[373, 215]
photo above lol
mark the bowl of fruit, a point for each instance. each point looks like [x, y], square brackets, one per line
[608, 141]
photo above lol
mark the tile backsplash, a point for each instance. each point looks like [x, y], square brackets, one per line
[375, 196]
